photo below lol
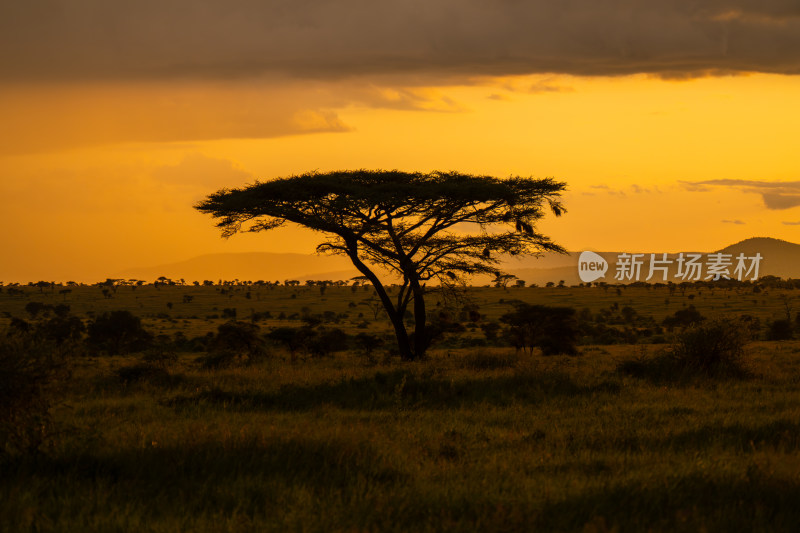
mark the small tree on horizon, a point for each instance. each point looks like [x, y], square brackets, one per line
[412, 224]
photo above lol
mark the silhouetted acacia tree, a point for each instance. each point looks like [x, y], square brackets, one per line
[414, 225]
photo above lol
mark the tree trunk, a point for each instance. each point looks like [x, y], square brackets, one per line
[403, 342]
[420, 331]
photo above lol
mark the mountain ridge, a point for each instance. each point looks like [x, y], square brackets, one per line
[781, 258]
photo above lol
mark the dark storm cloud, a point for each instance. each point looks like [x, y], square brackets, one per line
[149, 39]
[776, 194]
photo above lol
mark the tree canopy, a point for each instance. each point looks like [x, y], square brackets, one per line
[439, 225]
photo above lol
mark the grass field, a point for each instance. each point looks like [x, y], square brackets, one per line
[480, 439]
[203, 313]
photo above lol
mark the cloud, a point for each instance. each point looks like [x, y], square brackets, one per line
[776, 195]
[327, 39]
[634, 188]
[398, 97]
[200, 171]
[732, 222]
[39, 118]
[48, 117]
[781, 200]
[792, 223]
[499, 97]
[547, 86]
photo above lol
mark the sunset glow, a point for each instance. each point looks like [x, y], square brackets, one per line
[101, 166]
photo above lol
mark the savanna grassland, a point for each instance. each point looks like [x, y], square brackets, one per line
[476, 437]
[164, 309]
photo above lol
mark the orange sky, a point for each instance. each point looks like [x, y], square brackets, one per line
[99, 171]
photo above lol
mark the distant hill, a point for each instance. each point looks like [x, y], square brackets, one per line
[251, 266]
[780, 258]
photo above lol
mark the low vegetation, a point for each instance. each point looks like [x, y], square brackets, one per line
[252, 422]
[710, 349]
[33, 371]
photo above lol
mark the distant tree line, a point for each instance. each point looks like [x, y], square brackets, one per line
[505, 281]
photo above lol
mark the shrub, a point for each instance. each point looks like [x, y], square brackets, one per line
[61, 329]
[163, 353]
[553, 329]
[19, 326]
[367, 343]
[153, 366]
[118, 332]
[683, 318]
[32, 371]
[34, 308]
[753, 324]
[713, 347]
[490, 330]
[628, 313]
[780, 330]
[294, 339]
[318, 343]
[262, 315]
[235, 342]
[311, 321]
[326, 341]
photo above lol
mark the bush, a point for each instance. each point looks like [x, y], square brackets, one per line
[326, 341]
[753, 324]
[118, 332]
[34, 308]
[367, 343]
[490, 330]
[553, 329]
[262, 315]
[318, 343]
[780, 330]
[62, 329]
[683, 318]
[235, 342]
[294, 339]
[713, 347]
[163, 353]
[32, 371]
[19, 326]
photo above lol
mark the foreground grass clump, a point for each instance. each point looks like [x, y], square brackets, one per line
[465, 441]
